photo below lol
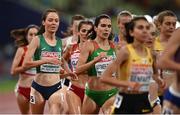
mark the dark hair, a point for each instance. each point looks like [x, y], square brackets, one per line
[44, 16]
[29, 27]
[130, 27]
[88, 22]
[96, 23]
[19, 36]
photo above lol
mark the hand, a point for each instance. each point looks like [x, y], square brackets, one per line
[101, 55]
[49, 60]
[162, 84]
[64, 74]
[135, 86]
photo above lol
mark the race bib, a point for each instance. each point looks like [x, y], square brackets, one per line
[50, 68]
[100, 67]
[118, 101]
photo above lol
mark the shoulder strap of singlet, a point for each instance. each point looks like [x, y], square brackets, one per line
[111, 44]
[95, 44]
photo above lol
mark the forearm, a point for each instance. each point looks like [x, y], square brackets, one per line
[84, 67]
[31, 64]
[17, 70]
[114, 82]
[168, 64]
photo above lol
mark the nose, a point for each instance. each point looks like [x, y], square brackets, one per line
[172, 26]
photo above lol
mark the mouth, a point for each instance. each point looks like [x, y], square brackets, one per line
[149, 42]
[106, 34]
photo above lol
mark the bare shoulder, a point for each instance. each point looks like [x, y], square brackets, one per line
[20, 51]
[123, 53]
[88, 45]
[175, 38]
[123, 50]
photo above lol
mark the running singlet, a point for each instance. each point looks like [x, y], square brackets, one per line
[158, 48]
[138, 69]
[31, 71]
[47, 51]
[74, 56]
[100, 66]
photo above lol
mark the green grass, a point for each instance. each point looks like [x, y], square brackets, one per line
[7, 85]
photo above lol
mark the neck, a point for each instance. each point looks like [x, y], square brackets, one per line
[103, 42]
[49, 35]
[163, 38]
[139, 46]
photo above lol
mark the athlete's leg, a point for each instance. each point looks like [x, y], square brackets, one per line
[37, 102]
[57, 102]
[108, 106]
[23, 103]
[74, 102]
[89, 106]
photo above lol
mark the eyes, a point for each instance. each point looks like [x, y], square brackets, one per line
[141, 27]
[170, 23]
[105, 25]
[85, 30]
[51, 20]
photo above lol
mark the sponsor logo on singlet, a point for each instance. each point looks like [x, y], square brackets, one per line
[50, 67]
[74, 60]
[142, 73]
[102, 64]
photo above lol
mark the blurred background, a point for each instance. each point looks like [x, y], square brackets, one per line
[20, 13]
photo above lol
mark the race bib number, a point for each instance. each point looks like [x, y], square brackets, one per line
[32, 99]
[118, 101]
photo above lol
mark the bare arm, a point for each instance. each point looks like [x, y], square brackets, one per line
[85, 51]
[106, 77]
[15, 68]
[156, 76]
[29, 63]
[166, 60]
[66, 53]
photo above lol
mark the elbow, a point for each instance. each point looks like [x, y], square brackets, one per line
[12, 72]
[78, 70]
[103, 80]
[25, 66]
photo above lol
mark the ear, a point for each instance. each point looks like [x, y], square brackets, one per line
[43, 23]
[118, 21]
[131, 33]
[95, 28]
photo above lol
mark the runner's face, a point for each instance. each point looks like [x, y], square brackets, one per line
[152, 35]
[140, 31]
[104, 28]
[121, 23]
[75, 26]
[85, 28]
[168, 25]
[31, 34]
[52, 22]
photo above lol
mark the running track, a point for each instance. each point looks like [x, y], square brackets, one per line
[8, 104]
